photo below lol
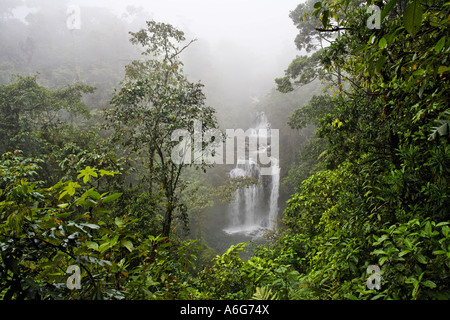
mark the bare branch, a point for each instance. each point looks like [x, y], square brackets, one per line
[333, 29]
[182, 49]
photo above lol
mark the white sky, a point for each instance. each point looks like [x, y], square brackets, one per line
[235, 19]
[258, 31]
[262, 26]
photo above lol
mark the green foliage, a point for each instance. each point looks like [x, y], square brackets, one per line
[257, 278]
[308, 38]
[50, 125]
[412, 18]
[45, 230]
[382, 195]
[415, 253]
[31, 114]
[264, 293]
[303, 70]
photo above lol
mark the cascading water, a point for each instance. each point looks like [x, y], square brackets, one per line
[273, 212]
[255, 208]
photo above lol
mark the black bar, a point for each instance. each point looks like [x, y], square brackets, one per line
[209, 309]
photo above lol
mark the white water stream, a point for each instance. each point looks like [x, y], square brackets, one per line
[255, 208]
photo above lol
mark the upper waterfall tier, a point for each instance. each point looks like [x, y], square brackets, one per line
[255, 208]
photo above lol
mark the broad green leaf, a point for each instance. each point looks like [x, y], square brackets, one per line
[93, 194]
[402, 253]
[444, 223]
[378, 251]
[92, 245]
[87, 173]
[443, 69]
[429, 284]
[104, 246]
[446, 231]
[87, 203]
[111, 197]
[408, 243]
[62, 195]
[440, 44]
[428, 228]
[412, 18]
[415, 290]
[421, 258]
[63, 215]
[70, 189]
[325, 18]
[411, 280]
[127, 244]
[118, 222]
[381, 239]
[387, 8]
[380, 295]
[382, 43]
[114, 240]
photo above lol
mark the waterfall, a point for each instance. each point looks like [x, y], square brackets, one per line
[255, 208]
[273, 212]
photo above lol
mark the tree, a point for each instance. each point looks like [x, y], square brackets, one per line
[27, 107]
[155, 100]
[383, 197]
[44, 123]
[306, 68]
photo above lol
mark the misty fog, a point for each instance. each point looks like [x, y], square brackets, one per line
[241, 45]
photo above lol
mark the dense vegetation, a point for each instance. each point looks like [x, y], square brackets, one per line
[371, 187]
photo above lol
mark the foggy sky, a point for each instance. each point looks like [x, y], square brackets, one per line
[259, 30]
[245, 21]
[247, 43]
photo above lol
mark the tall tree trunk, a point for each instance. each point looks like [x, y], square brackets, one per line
[167, 223]
[151, 154]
